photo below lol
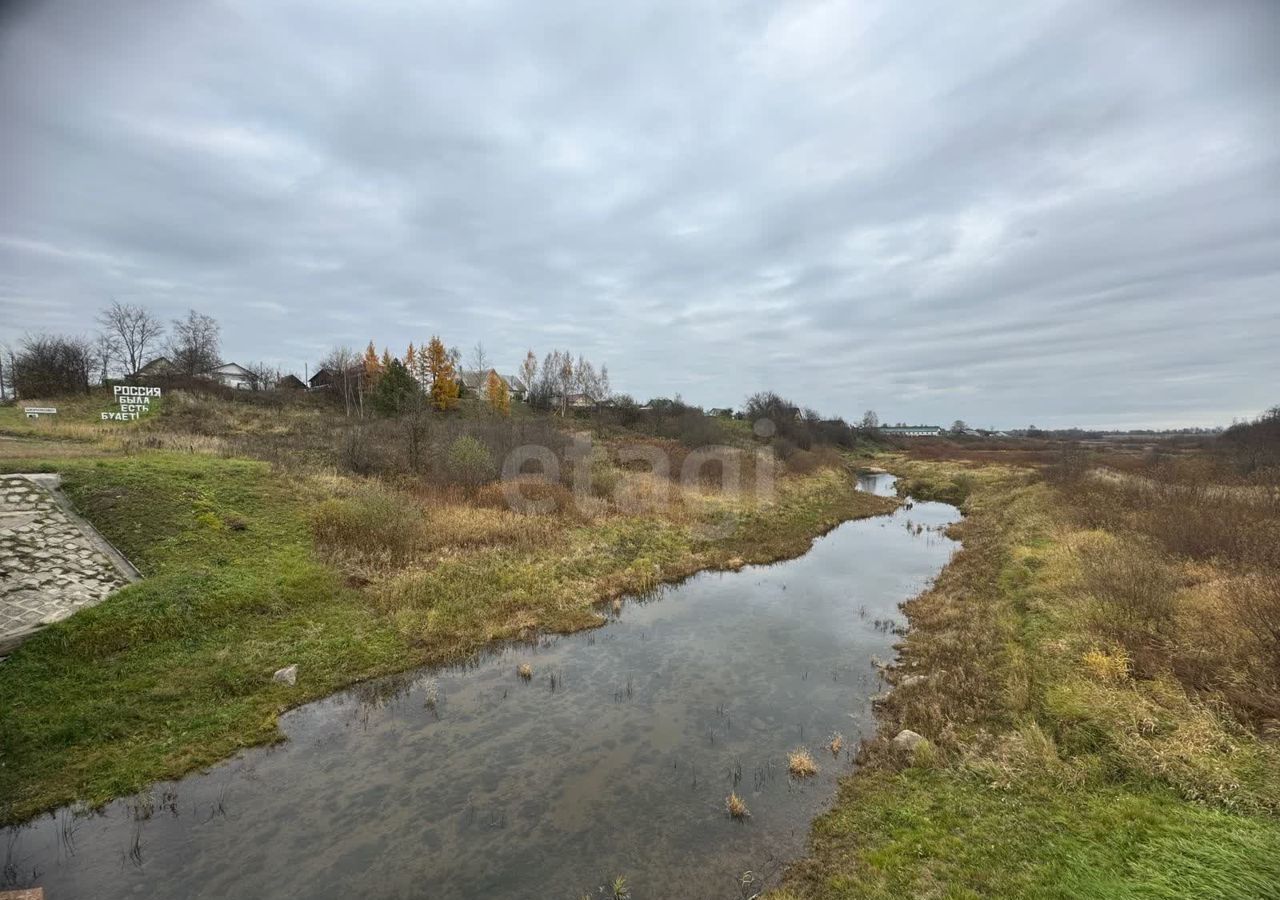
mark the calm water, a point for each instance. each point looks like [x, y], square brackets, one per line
[615, 758]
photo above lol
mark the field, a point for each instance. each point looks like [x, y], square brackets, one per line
[1097, 675]
[346, 563]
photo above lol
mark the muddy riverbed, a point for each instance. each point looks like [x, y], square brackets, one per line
[614, 759]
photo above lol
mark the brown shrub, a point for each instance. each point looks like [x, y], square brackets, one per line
[531, 492]
[1133, 592]
[370, 523]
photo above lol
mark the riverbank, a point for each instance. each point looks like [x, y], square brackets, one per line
[250, 569]
[611, 760]
[1094, 701]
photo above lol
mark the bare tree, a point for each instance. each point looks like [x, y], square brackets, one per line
[194, 347]
[51, 366]
[479, 358]
[529, 371]
[6, 370]
[106, 350]
[134, 329]
[262, 376]
[584, 376]
[343, 363]
[870, 420]
[415, 417]
[564, 379]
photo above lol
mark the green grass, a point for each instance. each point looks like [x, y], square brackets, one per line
[929, 833]
[175, 671]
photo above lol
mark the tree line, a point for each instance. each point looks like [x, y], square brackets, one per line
[128, 336]
[431, 376]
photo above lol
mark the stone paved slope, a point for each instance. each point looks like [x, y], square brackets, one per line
[50, 566]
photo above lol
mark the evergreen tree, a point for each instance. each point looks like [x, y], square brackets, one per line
[395, 389]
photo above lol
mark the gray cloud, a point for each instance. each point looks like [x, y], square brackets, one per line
[1059, 212]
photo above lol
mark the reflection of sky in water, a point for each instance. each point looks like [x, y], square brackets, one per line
[509, 789]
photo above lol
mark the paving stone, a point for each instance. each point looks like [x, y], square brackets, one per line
[47, 567]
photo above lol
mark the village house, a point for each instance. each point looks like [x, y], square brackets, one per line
[322, 380]
[912, 430]
[290, 383]
[475, 381]
[232, 375]
[160, 367]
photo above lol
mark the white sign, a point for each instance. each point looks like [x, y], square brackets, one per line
[133, 400]
[35, 412]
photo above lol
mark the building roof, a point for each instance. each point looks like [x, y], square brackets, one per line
[290, 382]
[475, 379]
[157, 366]
[910, 429]
[230, 368]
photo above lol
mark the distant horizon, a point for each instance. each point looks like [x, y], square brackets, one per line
[1047, 423]
[1059, 213]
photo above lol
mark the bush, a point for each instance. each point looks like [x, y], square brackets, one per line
[1133, 593]
[469, 462]
[371, 523]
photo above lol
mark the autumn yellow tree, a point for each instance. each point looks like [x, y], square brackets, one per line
[444, 380]
[411, 360]
[495, 392]
[371, 366]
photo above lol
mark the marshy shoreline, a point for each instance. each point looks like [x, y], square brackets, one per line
[250, 569]
[725, 676]
[1069, 749]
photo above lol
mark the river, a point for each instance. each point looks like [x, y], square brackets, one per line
[613, 759]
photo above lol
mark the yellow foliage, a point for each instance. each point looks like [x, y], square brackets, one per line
[444, 381]
[495, 392]
[371, 365]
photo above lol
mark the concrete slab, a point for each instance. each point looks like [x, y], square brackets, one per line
[52, 562]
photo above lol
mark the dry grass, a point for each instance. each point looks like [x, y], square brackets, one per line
[524, 671]
[836, 743]
[801, 764]
[1112, 667]
[1132, 592]
[1083, 652]
[374, 530]
[1096, 633]
[736, 806]
[1183, 570]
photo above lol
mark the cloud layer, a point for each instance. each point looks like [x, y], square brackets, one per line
[1048, 212]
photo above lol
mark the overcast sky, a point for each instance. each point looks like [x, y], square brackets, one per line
[1034, 212]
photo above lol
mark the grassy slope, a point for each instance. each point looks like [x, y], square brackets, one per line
[1041, 778]
[175, 672]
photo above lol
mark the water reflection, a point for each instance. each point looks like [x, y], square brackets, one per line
[613, 758]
